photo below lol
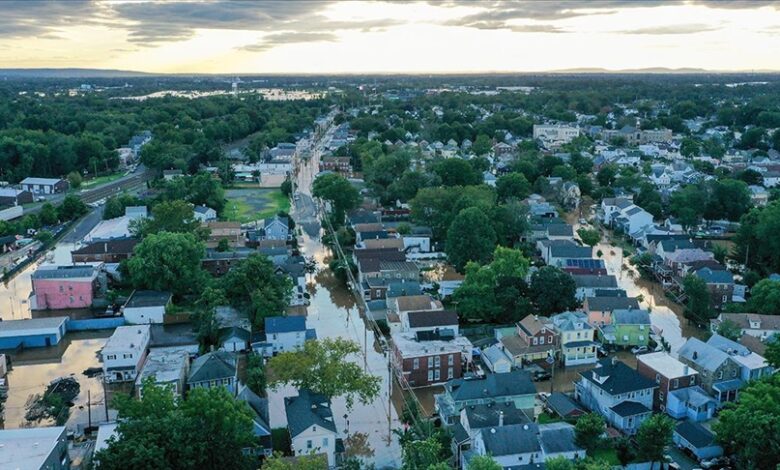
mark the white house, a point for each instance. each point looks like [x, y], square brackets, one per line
[522, 445]
[311, 426]
[233, 339]
[283, 334]
[214, 369]
[146, 306]
[276, 228]
[167, 366]
[204, 214]
[125, 352]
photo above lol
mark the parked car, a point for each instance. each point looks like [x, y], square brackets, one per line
[639, 349]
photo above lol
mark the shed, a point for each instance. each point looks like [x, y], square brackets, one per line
[697, 439]
[496, 360]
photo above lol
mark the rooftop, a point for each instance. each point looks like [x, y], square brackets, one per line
[707, 356]
[27, 449]
[306, 410]
[164, 365]
[44, 181]
[409, 345]
[416, 303]
[148, 298]
[78, 271]
[506, 384]
[284, 324]
[696, 434]
[127, 337]
[213, 366]
[512, 439]
[10, 327]
[666, 365]
[615, 378]
[435, 318]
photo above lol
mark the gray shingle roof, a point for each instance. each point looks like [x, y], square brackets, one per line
[631, 317]
[571, 251]
[594, 280]
[308, 409]
[493, 386]
[485, 416]
[703, 354]
[696, 434]
[510, 440]
[630, 408]
[617, 378]
[435, 318]
[148, 298]
[64, 272]
[608, 304]
[558, 438]
[212, 366]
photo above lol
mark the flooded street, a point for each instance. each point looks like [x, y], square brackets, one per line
[665, 315]
[333, 312]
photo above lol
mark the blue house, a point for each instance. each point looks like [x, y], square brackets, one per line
[32, 333]
[697, 439]
[691, 403]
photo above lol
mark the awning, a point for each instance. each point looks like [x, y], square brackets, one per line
[728, 385]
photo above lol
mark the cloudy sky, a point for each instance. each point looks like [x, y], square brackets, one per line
[298, 36]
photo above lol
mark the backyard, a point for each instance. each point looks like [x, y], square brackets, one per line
[247, 205]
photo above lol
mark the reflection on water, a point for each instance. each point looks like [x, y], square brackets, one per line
[270, 94]
[33, 369]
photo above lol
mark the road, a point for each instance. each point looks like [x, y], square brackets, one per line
[333, 313]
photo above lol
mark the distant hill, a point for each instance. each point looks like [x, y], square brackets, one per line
[70, 73]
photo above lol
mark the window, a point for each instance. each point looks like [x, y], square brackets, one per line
[450, 373]
[127, 356]
[430, 375]
[324, 442]
[675, 383]
[658, 378]
[536, 341]
[437, 361]
[451, 360]
[725, 299]
[541, 340]
[720, 375]
[734, 373]
[693, 379]
[430, 362]
[549, 339]
[416, 363]
[641, 327]
[308, 444]
[436, 374]
[314, 428]
[62, 289]
[111, 357]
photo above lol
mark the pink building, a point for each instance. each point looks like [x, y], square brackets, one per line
[61, 287]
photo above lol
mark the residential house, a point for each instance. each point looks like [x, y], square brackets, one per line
[475, 418]
[233, 339]
[146, 306]
[585, 266]
[628, 327]
[65, 287]
[752, 365]
[109, 251]
[526, 446]
[284, 334]
[752, 324]
[536, 339]
[204, 214]
[337, 164]
[588, 284]
[513, 387]
[398, 307]
[125, 352]
[44, 185]
[166, 367]
[678, 394]
[563, 405]
[260, 419]
[619, 393]
[214, 369]
[719, 372]
[428, 358]
[311, 426]
[576, 338]
[697, 439]
[720, 285]
[218, 263]
[556, 252]
[277, 228]
[600, 309]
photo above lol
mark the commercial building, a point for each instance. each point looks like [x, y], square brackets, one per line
[34, 448]
[32, 333]
[44, 185]
[61, 287]
[427, 358]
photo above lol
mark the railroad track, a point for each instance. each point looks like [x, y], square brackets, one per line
[115, 187]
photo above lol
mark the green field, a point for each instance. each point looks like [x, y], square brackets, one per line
[101, 180]
[247, 205]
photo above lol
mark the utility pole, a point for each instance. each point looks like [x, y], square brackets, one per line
[89, 409]
[105, 396]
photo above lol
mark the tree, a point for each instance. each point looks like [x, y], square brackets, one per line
[483, 462]
[698, 307]
[588, 431]
[171, 216]
[589, 237]
[765, 297]
[75, 179]
[772, 351]
[624, 450]
[654, 434]
[419, 455]
[208, 430]
[552, 290]
[286, 187]
[255, 374]
[482, 145]
[470, 238]
[48, 214]
[730, 330]
[71, 208]
[457, 172]
[689, 148]
[44, 236]
[512, 185]
[205, 322]
[559, 463]
[342, 196]
[750, 428]
[688, 205]
[302, 462]
[729, 199]
[254, 286]
[606, 175]
[168, 262]
[323, 366]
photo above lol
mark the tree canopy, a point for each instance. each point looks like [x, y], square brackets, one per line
[470, 238]
[168, 262]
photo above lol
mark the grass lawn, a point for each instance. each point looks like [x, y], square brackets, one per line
[546, 418]
[247, 205]
[101, 180]
[609, 455]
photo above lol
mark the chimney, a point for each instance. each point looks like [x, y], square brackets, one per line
[500, 418]
[695, 355]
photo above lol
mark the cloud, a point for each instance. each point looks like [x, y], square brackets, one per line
[672, 29]
[291, 37]
[24, 19]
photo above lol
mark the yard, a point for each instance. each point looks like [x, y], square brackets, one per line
[102, 180]
[248, 205]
